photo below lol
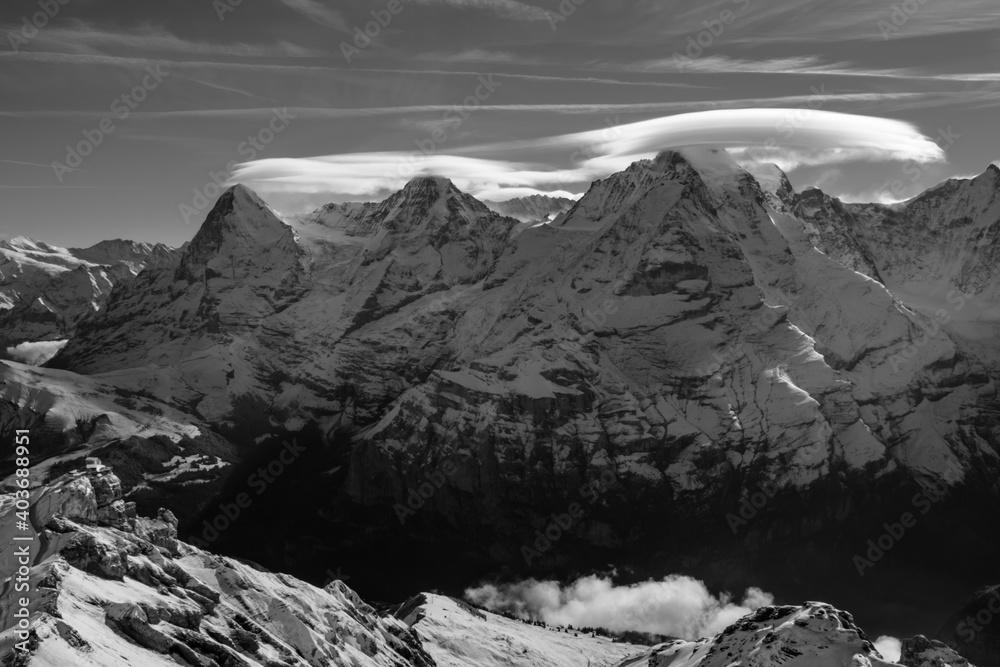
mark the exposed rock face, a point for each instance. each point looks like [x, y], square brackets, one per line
[162, 456]
[922, 652]
[46, 291]
[813, 634]
[946, 235]
[110, 595]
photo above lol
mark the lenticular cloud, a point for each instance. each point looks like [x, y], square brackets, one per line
[789, 137]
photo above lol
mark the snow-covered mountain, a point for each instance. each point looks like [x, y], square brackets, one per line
[532, 209]
[686, 340]
[45, 291]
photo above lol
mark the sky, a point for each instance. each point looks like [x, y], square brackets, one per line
[119, 117]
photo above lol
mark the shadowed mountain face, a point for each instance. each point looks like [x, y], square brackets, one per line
[722, 376]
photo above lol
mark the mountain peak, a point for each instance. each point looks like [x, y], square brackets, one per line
[240, 224]
[438, 184]
[773, 180]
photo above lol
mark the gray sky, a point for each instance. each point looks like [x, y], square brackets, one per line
[559, 99]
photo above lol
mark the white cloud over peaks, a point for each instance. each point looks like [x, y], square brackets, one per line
[803, 128]
[788, 137]
[677, 606]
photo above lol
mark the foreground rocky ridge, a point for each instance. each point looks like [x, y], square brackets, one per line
[111, 588]
[680, 344]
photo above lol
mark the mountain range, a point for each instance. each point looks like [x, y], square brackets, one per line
[694, 368]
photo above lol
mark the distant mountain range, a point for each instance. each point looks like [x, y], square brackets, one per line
[535, 208]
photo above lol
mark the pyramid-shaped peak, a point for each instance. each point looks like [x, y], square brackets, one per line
[241, 196]
[238, 214]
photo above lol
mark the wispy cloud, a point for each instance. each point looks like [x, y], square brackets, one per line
[59, 57]
[318, 12]
[26, 164]
[85, 39]
[506, 9]
[563, 109]
[478, 56]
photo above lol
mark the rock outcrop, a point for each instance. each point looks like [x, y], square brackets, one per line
[111, 593]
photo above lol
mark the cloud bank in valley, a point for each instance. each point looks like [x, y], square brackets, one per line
[566, 163]
[677, 606]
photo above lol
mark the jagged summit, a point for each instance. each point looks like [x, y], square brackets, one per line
[774, 182]
[532, 208]
[439, 184]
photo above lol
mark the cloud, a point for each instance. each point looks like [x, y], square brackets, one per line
[811, 65]
[35, 354]
[478, 56]
[87, 40]
[319, 13]
[375, 174]
[716, 64]
[801, 137]
[805, 128]
[506, 9]
[676, 606]
[889, 647]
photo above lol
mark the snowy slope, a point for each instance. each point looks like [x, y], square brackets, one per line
[812, 635]
[457, 635]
